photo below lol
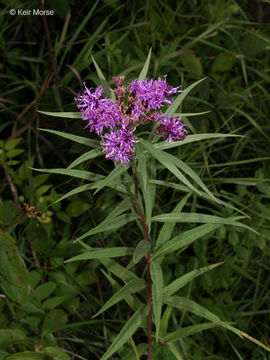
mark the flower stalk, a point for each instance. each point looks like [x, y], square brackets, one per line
[148, 259]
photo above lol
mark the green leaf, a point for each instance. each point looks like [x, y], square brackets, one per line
[185, 238]
[185, 304]
[87, 156]
[81, 174]
[104, 83]
[187, 331]
[141, 250]
[132, 301]
[126, 332]
[141, 350]
[191, 138]
[11, 144]
[162, 157]
[174, 351]
[191, 62]
[53, 302]
[147, 189]
[56, 353]
[131, 287]
[167, 229]
[11, 337]
[14, 152]
[68, 115]
[110, 224]
[27, 355]
[108, 180]
[224, 62]
[185, 168]
[157, 293]
[12, 266]
[192, 114]
[118, 270]
[201, 218]
[77, 190]
[44, 290]
[185, 279]
[42, 190]
[145, 68]
[53, 321]
[103, 253]
[77, 208]
[178, 101]
[75, 138]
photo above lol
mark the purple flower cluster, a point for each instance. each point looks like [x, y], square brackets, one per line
[116, 120]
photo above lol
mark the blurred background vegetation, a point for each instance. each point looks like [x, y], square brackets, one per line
[44, 61]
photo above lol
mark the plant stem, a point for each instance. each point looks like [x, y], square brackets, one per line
[148, 258]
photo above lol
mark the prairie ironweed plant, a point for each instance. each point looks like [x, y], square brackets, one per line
[116, 120]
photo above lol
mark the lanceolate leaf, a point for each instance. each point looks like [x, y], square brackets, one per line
[188, 330]
[191, 138]
[178, 101]
[103, 253]
[117, 172]
[75, 138]
[81, 174]
[131, 287]
[110, 224]
[185, 279]
[201, 218]
[185, 238]
[104, 83]
[145, 68]
[87, 156]
[70, 115]
[144, 182]
[131, 300]
[202, 194]
[157, 293]
[185, 168]
[163, 159]
[185, 304]
[167, 229]
[141, 250]
[126, 332]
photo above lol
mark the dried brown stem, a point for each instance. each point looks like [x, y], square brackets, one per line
[148, 259]
[10, 182]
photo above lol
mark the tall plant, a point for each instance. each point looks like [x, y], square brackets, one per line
[118, 117]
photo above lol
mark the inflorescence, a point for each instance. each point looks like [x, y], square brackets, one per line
[115, 120]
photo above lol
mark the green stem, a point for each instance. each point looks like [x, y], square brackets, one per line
[148, 259]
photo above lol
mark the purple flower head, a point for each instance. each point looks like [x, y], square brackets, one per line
[118, 145]
[115, 120]
[172, 128]
[151, 93]
[100, 113]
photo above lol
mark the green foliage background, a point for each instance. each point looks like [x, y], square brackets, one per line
[47, 305]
